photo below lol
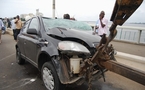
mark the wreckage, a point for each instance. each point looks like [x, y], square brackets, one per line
[66, 52]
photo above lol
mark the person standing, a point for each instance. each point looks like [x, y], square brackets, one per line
[66, 16]
[1, 26]
[102, 24]
[18, 23]
[13, 26]
[5, 25]
[9, 23]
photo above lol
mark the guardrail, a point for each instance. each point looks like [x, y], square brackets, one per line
[129, 34]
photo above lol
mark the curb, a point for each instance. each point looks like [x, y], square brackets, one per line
[9, 31]
[131, 57]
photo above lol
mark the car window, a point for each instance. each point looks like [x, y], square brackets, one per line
[34, 23]
[64, 23]
[26, 24]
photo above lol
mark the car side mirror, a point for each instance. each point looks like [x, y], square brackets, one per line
[32, 31]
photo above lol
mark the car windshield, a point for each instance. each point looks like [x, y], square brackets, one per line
[65, 23]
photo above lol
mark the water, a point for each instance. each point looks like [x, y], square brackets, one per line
[128, 34]
[125, 24]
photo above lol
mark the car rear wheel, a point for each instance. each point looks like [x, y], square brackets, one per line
[50, 78]
[19, 59]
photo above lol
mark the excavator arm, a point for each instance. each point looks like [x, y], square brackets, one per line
[123, 9]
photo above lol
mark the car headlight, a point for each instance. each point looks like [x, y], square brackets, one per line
[72, 46]
[95, 44]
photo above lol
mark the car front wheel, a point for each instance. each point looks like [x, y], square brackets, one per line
[19, 59]
[50, 78]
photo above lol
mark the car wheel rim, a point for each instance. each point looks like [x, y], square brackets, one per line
[48, 78]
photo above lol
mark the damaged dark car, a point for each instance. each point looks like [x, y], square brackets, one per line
[59, 49]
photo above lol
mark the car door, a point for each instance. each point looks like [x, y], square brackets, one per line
[21, 38]
[31, 41]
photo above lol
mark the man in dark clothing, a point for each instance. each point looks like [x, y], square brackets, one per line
[66, 16]
[9, 23]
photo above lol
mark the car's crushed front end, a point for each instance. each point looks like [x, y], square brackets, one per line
[73, 57]
[76, 46]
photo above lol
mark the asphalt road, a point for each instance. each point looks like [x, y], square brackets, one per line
[27, 77]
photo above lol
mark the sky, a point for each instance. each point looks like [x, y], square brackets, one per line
[83, 10]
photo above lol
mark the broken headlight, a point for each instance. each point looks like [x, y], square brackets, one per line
[71, 47]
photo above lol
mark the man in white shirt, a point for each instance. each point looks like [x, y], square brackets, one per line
[102, 24]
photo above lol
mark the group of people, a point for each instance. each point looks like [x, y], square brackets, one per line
[101, 26]
[14, 24]
[5, 22]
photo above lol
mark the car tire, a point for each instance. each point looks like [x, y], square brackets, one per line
[19, 59]
[50, 77]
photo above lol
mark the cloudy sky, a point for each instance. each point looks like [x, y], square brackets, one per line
[84, 10]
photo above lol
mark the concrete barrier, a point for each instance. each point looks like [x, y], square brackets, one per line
[9, 31]
[131, 57]
[133, 61]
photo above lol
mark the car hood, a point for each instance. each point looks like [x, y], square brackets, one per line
[86, 36]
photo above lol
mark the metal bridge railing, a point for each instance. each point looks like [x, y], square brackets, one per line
[129, 34]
